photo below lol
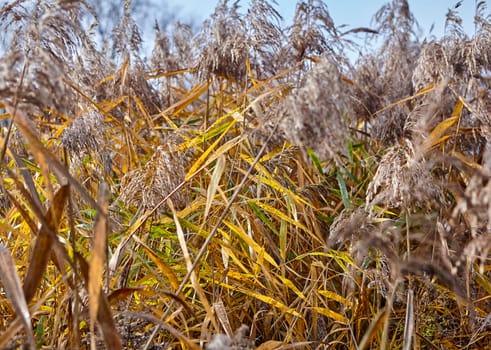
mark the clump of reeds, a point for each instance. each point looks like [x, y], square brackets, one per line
[260, 177]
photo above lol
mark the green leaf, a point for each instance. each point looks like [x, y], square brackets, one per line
[343, 190]
[315, 160]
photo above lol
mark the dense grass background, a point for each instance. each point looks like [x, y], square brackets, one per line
[247, 186]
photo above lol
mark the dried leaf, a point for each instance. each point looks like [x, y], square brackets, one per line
[104, 314]
[163, 267]
[44, 242]
[13, 288]
[98, 260]
[270, 345]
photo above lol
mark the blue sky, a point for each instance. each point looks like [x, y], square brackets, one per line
[354, 13]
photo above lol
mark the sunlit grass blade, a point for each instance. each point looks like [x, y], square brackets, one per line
[189, 265]
[279, 214]
[264, 298]
[336, 297]
[331, 314]
[195, 93]
[214, 183]
[250, 242]
[436, 135]
[204, 157]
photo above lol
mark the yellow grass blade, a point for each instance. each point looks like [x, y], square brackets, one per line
[421, 92]
[189, 265]
[335, 297]
[288, 283]
[192, 96]
[264, 298]
[214, 183]
[275, 212]
[199, 162]
[266, 178]
[163, 267]
[466, 160]
[437, 136]
[343, 259]
[106, 106]
[331, 314]
[250, 242]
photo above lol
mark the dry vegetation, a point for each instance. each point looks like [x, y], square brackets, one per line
[246, 186]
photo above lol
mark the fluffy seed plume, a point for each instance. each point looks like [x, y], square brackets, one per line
[147, 186]
[316, 112]
[402, 181]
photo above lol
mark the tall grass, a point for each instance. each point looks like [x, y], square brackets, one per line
[246, 186]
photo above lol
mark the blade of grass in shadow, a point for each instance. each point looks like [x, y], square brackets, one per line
[221, 312]
[13, 288]
[343, 190]
[17, 323]
[372, 330]
[189, 343]
[98, 260]
[28, 179]
[409, 324]
[14, 327]
[60, 254]
[44, 241]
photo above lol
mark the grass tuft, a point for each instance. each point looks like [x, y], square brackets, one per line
[247, 186]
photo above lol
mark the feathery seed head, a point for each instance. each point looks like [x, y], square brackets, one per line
[316, 112]
[147, 186]
[403, 180]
